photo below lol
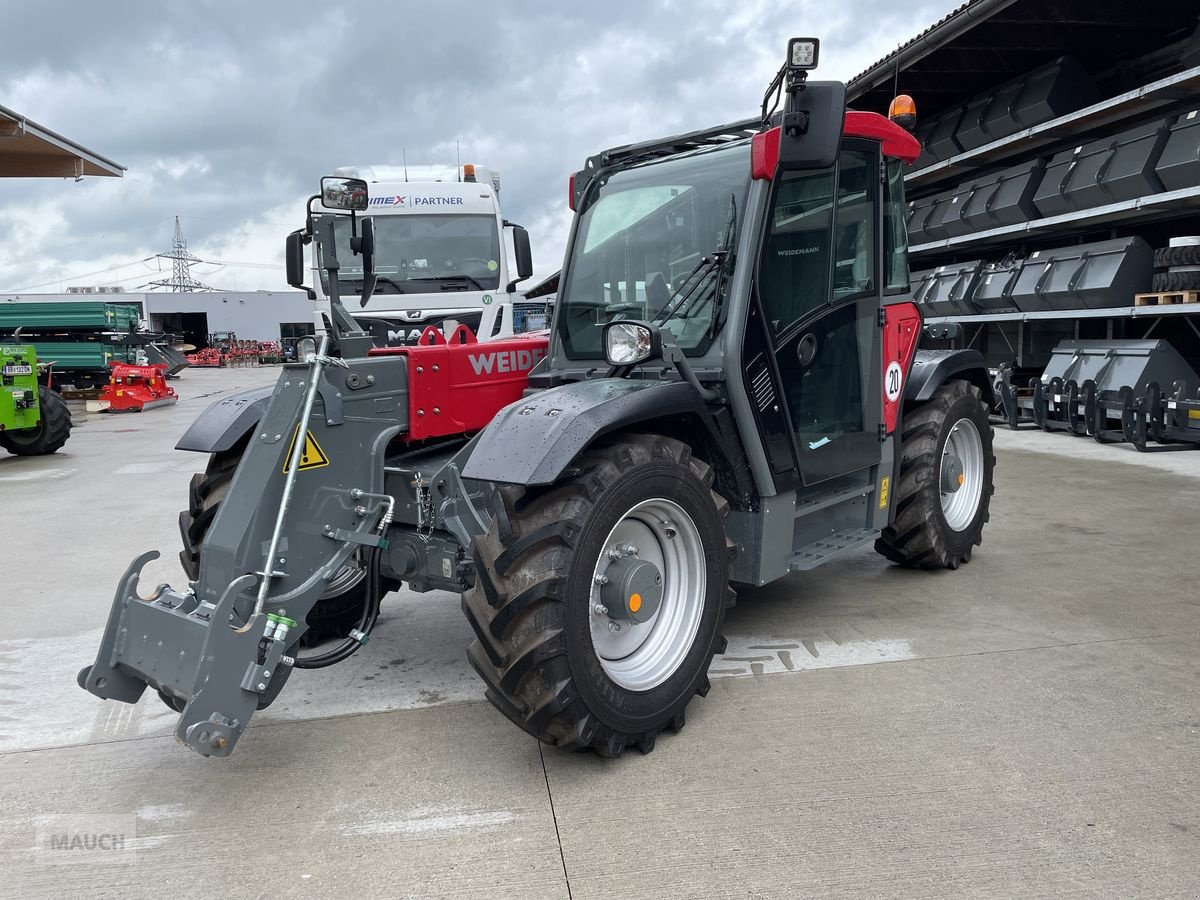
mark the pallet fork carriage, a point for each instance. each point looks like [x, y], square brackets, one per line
[730, 391]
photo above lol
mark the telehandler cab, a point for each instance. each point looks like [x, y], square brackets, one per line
[730, 391]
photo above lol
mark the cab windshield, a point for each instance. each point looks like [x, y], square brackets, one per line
[420, 254]
[640, 242]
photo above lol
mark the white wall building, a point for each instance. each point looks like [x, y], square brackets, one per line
[250, 315]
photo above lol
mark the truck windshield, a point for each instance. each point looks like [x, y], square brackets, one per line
[417, 254]
[639, 239]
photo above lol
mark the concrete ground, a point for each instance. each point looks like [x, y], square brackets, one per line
[1026, 726]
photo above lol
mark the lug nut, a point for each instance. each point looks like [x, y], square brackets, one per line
[600, 609]
[613, 626]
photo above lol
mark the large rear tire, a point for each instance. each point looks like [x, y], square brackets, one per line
[567, 648]
[340, 607]
[51, 432]
[944, 488]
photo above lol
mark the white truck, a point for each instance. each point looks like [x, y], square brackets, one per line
[444, 255]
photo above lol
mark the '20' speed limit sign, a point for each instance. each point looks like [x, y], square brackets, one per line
[893, 380]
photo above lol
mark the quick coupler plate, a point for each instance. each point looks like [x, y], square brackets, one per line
[189, 650]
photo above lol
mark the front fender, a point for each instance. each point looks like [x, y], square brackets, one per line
[226, 421]
[533, 440]
[932, 368]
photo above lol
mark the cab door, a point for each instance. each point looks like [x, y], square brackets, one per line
[818, 300]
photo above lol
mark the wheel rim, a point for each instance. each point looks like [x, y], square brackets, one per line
[959, 507]
[641, 656]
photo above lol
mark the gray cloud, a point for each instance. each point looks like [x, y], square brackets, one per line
[227, 113]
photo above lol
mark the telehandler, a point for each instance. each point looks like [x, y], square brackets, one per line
[730, 391]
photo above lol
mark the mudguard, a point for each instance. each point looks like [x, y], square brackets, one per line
[226, 421]
[931, 368]
[533, 440]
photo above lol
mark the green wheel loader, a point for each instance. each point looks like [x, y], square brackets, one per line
[34, 420]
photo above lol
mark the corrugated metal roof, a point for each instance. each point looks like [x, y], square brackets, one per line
[887, 59]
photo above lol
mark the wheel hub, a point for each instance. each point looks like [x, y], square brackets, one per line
[633, 590]
[952, 473]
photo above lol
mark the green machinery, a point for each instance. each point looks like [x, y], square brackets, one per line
[34, 420]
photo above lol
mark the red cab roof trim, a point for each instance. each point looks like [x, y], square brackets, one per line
[896, 141]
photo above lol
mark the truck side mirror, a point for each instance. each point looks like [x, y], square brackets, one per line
[294, 257]
[364, 246]
[524, 255]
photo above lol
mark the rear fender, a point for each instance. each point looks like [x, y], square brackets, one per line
[933, 368]
[533, 440]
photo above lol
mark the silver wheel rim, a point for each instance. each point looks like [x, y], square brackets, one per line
[641, 656]
[959, 507]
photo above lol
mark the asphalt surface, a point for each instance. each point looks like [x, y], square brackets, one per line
[1026, 726]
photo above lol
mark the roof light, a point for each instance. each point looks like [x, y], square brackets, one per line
[802, 54]
[571, 192]
[468, 172]
[903, 111]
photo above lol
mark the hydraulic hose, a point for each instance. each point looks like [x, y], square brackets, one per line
[359, 635]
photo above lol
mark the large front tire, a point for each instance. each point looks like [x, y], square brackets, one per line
[944, 488]
[638, 507]
[52, 430]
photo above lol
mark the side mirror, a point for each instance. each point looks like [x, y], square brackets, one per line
[294, 258]
[813, 118]
[344, 193]
[364, 246]
[524, 255]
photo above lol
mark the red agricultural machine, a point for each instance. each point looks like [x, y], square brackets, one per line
[133, 388]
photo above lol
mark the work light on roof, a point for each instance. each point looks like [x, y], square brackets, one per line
[802, 54]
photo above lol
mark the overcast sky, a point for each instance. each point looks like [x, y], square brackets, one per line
[226, 114]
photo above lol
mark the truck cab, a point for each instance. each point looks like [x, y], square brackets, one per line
[445, 255]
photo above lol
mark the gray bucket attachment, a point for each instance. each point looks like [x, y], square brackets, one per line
[1054, 90]
[1179, 165]
[1120, 390]
[997, 281]
[942, 143]
[946, 218]
[1089, 276]
[1104, 171]
[1005, 197]
[918, 215]
[947, 290]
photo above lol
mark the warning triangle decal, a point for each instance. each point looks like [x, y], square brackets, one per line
[312, 457]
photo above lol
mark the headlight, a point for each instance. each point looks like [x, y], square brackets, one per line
[306, 349]
[628, 343]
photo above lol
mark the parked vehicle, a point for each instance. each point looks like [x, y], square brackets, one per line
[739, 398]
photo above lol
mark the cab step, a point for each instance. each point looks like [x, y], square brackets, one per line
[820, 551]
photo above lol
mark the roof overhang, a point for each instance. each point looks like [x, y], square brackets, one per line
[27, 150]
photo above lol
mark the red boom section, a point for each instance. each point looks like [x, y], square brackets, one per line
[457, 386]
[901, 330]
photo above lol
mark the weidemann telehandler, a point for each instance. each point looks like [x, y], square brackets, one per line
[730, 391]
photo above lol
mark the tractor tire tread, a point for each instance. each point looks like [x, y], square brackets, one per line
[516, 606]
